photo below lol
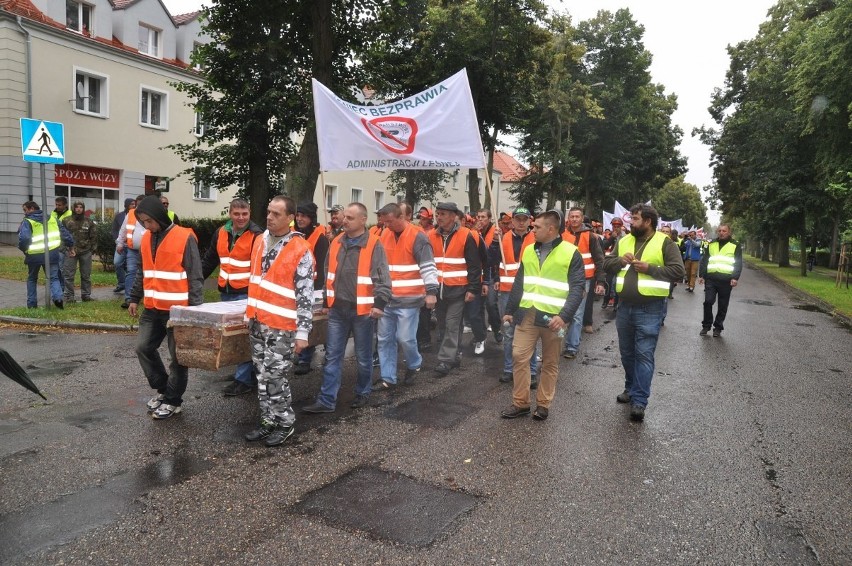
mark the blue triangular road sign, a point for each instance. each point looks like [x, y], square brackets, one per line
[42, 141]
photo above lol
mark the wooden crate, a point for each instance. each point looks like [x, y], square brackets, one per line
[212, 348]
[215, 347]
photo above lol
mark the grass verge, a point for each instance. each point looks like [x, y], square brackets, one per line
[15, 269]
[819, 283]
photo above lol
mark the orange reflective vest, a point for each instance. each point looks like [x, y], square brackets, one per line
[363, 284]
[489, 236]
[451, 264]
[509, 264]
[583, 245]
[404, 269]
[130, 227]
[272, 296]
[234, 264]
[164, 278]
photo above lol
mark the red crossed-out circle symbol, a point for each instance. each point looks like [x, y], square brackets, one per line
[395, 133]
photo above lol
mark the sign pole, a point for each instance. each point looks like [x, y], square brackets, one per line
[46, 215]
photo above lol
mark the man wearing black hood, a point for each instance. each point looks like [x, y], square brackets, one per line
[308, 225]
[170, 275]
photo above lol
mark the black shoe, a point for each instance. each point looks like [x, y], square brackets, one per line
[498, 337]
[118, 290]
[716, 333]
[59, 304]
[540, 413]
[237, 388]
[360, 401]
[534, 382]
[410, 375]
[302, 368]
[506, 377]
[317, 408]
[704, 332]
[568, 354]
[380, 386]
[87, 299]
[637, 413]
[514, 412]
[265, 429]
[623, 397]
[125, 304]
[279, 435]
[442, 369]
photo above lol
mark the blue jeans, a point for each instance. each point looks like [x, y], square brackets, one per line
[398, 327]
[134, 263]
[119, 260]
[572, 336]
[245, 371]
[32, 281]
[638, 328]
[509, 337]
[473, 315]
[342, 322]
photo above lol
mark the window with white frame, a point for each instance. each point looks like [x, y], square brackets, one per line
[149, 40]
[154, 105]
[200, 126]
[455, 178]
[357, 195]
[91, 95]
[330, 196]
[78, 17]
[201, 189]
[197, 64]
[380, 199]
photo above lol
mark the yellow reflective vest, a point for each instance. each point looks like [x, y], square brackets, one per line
[546, 285]
[53, 236]
[652, 254]
[721, 260]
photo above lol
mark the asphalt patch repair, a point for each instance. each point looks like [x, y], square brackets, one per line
[388, 506]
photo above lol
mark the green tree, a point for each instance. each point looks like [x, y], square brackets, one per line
[418, 185]
[256, 98]
[679, 199]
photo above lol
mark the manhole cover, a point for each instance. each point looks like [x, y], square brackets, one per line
[433, 413]
[387, 505]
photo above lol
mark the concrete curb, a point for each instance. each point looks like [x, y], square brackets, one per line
[804, 296]
[70, 325]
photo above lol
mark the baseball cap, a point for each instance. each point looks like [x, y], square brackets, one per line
[521, 211]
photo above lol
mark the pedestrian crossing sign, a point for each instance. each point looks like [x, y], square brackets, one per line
[42, 142]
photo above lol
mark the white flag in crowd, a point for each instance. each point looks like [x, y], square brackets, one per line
[435, 129]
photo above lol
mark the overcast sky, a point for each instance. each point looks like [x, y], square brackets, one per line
[687, 39]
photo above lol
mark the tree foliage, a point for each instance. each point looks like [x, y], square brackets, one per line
[679, 199]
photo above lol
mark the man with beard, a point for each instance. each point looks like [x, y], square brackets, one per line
[646, 262]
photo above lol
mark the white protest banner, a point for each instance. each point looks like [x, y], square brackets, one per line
[435, 129]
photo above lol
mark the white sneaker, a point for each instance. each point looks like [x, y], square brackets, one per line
[165, 411]
[479, 348]
[155, 402]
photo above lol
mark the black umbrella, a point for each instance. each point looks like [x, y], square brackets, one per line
[15, 372]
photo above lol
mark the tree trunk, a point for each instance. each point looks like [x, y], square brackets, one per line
[258, 191]
[783, 252]
[803, 259]
[764, 249]
[303, 172]
[473, 190]
[832, 257]
[410, 189]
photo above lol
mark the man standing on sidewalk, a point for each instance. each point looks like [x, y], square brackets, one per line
[646, 262]
[280, 317]
[459, 279]
[357, 290]
[169, 275]
[414, 283]
[545, 298]
[590, 250]
[719, 272]
[31, 235]
[230, 250]
[82, 230]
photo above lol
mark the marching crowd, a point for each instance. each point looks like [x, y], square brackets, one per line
[528, 279]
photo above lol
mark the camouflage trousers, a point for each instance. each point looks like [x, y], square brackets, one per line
[272, 355]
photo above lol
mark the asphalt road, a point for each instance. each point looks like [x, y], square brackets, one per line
[744, 458]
